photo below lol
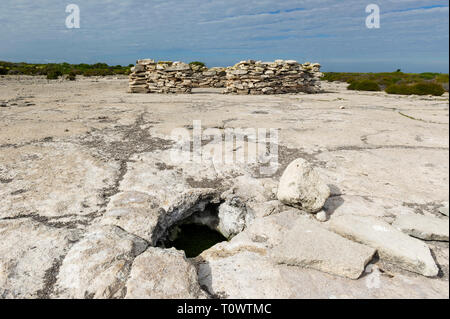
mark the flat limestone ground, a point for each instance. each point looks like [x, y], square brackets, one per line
[85, 171]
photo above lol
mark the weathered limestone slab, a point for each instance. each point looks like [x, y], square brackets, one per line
[444, 209]
[244, 267]
[241, 274]
[365, 150]
[29, 253]
[307, 244]
[53, 180]
[163, 273]
[423, 227]
[135, 212]
[392, 245]
[98, 265]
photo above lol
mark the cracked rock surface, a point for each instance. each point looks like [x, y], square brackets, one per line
[163, 273]
[423, 227]
[393, 245]
[98, 265]
[88, 189]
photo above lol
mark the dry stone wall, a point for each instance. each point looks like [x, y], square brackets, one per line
[209, 78]
[161, 77]
[246, 77]
[279, 77]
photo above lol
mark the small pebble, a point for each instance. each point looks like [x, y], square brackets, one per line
[322, 216]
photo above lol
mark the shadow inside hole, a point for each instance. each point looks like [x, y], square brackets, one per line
[193, 239]
[196, 233]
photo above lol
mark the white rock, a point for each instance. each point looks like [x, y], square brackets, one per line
[308, 245]
[163, 273]
[302, 187]
[138, 68]
[393, 245]
[266, 208]
[234, 216]
[322, 216]
[135, 212]
[98, 265]
[244, 268]
[179, 67]
[239, 72]
[423, 227]
[145, 61]
[241, 274]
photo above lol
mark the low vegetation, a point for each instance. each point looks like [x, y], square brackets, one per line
[394, 82]
[72, 76]
[417, 89]
[197, 63]
[364, 85]
[55, 70]
[53, 74]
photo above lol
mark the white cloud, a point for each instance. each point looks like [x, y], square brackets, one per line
[223, 32]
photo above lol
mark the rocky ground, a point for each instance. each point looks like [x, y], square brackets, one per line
[87, 191]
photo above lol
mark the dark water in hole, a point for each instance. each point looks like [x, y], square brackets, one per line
[194, 239]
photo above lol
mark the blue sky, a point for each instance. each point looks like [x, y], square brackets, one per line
[414, 35]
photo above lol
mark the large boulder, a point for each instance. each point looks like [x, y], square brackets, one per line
[301, 186]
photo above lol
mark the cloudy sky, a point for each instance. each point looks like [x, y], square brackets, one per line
[414, 34]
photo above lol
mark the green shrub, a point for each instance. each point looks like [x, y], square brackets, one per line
[99, 66]
[198, 63]
[165, 62]
[3, 71]
[442, 78]
[72, 76]
[76, 72]
[428, 75]
[98, 72]
[54, 74]
[425, 88]
[364, 85]
[64, 68]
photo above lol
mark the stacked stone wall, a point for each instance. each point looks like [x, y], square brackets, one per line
[246, 77]
[279, 77]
